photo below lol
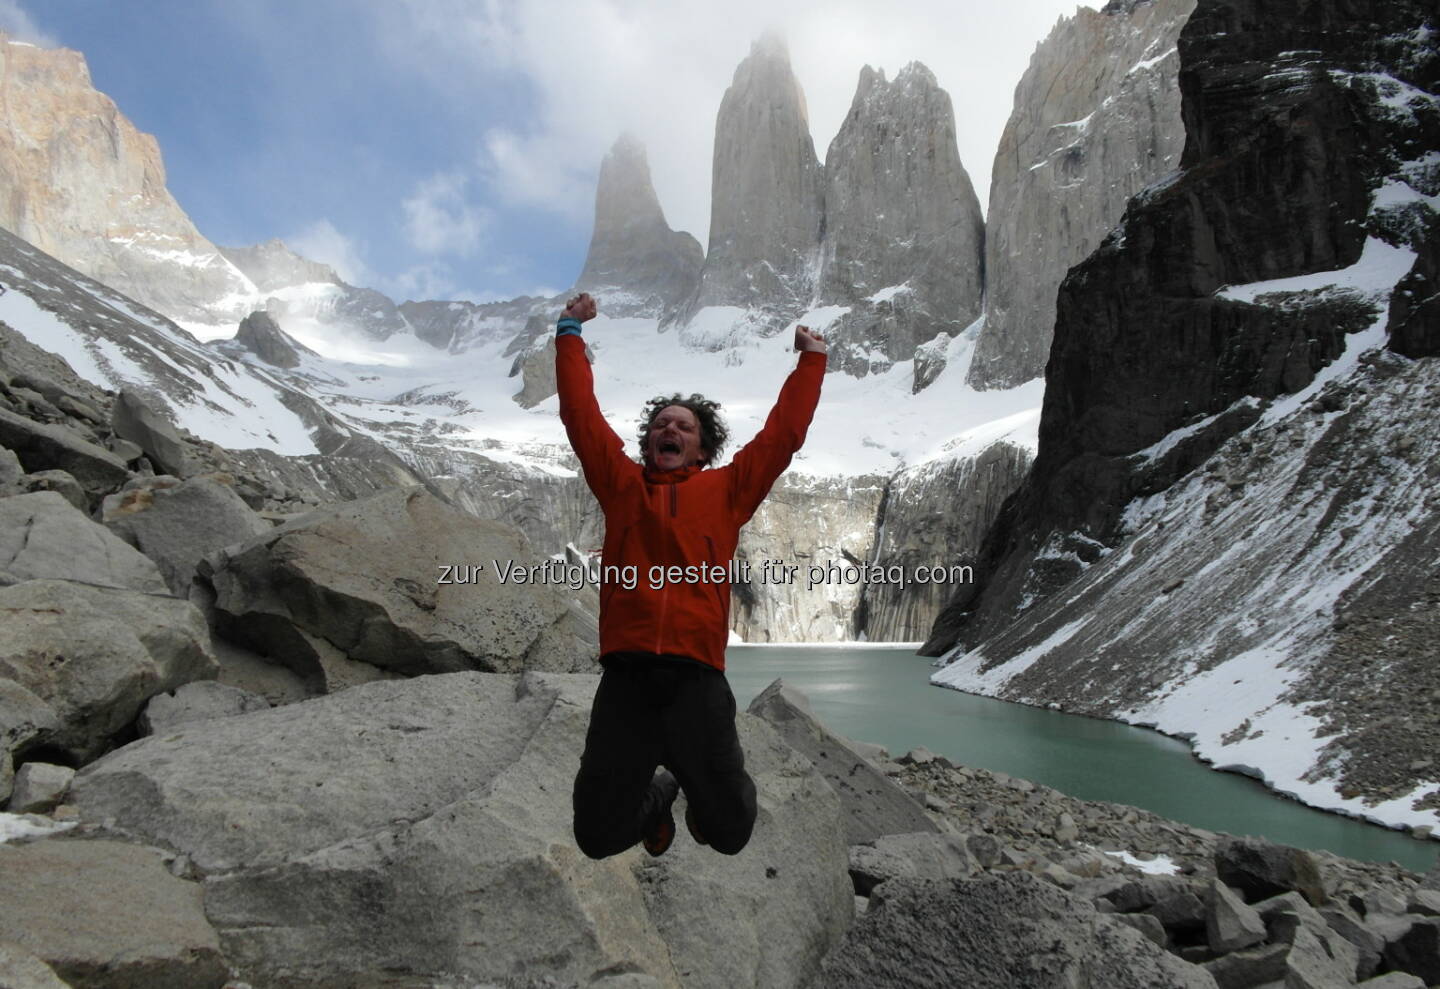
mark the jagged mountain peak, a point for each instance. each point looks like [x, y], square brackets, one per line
[768, 67]
[772, 45]
[903, 238]
[636, 262]
[86, 186]
[766, 207]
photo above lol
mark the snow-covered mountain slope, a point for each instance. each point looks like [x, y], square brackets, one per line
[1230, 530]
[1281, 607]
[115, 342]
[451, 418]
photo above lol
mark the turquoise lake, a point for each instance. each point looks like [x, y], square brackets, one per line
[883, 695]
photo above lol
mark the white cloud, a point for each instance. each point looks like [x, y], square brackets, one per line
[320, 241]
[17, 23]
[599, 67]
[423, 281]
[440, 219]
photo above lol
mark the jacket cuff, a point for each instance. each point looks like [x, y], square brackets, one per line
[813, 357]
[568, 326]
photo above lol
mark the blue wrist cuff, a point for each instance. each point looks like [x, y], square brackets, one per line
[568, 326]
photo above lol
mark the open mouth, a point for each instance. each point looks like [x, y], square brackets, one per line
[669, 446]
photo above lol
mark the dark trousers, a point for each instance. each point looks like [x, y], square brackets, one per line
[654, 712]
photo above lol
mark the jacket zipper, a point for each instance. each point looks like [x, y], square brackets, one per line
[664, 591]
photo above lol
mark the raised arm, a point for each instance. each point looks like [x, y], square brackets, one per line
[599, 448]
[761, 462]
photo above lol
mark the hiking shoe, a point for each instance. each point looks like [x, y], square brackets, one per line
[690, 823]
[661, 832]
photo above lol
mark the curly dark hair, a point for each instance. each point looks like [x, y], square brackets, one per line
[713, 431]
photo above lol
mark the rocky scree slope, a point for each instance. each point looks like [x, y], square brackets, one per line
[415, 832]
[1213, 443]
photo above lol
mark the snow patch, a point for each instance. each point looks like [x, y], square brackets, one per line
[886, 294]
[1160, 865]
[1380, 266]
[13, 826]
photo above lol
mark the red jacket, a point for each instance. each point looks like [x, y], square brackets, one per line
[683, 518]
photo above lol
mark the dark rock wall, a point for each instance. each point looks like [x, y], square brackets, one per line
[1291, 126]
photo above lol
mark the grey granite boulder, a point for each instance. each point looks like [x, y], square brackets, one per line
[108, 915]
[177, 526]
[909, 856]
[1416, 950]
[42, 446]
[44, 536]
[1261, 869]
[872, 804]
[23, 716]
[1002, 931]
[10, 471]
[423, 827]
[62, 483]
[132, 419]
[92, 656]
[39, 786]
[1230, 924]
[198, 701]
[401, 581]
[19, 969]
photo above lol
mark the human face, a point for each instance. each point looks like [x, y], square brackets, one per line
[674, 439]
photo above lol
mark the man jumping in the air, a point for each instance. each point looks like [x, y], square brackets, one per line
[663, 699]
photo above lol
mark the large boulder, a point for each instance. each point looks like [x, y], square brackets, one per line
[42, 446]
[42, 536]
[1002, 931]
[92, 656]
[400, 581]
[423, 827]
[178, 525]
[872, 804]
[910, 856]
[1260, 869]
[23, 717]
[198, 701]
[132, 419]
[107, 915]
[10, 472]
[19, 969]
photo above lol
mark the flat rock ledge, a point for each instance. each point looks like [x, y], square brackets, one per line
[417, 832]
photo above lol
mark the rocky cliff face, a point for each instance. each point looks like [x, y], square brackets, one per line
[81, 183]
[934, 515]
[1096, 119]
[272, 266]
[766, 202]
[904, 238]
[636, 265]
[1235, 310]
[825, 523]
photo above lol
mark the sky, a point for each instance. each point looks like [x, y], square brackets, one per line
[438, 149]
